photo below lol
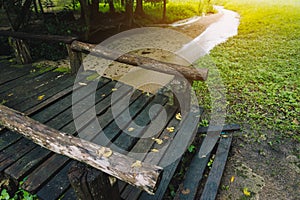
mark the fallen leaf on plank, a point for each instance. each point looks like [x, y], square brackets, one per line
[83, 84]
[41, 97]
[137, 164]
[178, 116]
[158, 141]
[154, 150]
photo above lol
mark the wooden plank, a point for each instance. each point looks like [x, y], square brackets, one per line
[42, 89]
[57, 186]
[62, 89]
[22, 81]
[148, 63]
[113, 130]
[225, 128]
[192, 178]
[13, 152]
[27, 89]
[88, 128]
[14, 72]
[7, 138]
[69, 195]
[166, 178]
[125, 141]
[23, 166]
[30, 36]
[43, 173]
[144, 145]
[213, 181]
[146, 176]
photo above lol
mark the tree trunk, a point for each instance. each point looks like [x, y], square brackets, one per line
[129, 12]
[111, 6]
[41, 6]
[85, 13]
[139, 8]
[164, 11]
[94, 8]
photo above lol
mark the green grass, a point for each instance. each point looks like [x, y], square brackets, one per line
[178, 9]
[260, 68]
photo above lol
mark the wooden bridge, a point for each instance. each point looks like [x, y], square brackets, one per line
[37, 103]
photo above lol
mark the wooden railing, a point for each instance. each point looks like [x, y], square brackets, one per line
[75, 48]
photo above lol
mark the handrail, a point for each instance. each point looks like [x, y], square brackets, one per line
[142, 175]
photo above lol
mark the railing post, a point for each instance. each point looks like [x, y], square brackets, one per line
[75, 59]
[90, 183]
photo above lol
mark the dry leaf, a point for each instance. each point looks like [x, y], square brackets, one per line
[295, 121]
[178, 116]
[246, 192]
[186, 191]
[130, 129]
[41, 97]
[103, 95]
[166, 137]
[114, 89]
[137, 164]
[10, 94]
[171, 129]
[231, 179]
[154, 150]
[80, 83]
[105, 152]
[158, 141]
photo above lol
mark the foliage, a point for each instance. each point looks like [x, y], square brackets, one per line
[260, 68]
[177, 10]
[19, 195]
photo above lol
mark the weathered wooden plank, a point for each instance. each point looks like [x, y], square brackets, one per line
[13, 72]
[113, 130]
[30, 36]
[213, 181]
[69, 195]
[148, 63]
[23, 166]
[225, 128]
[144, 145]
[32, 105]
[7, 138]
[192, 178]
[91, 129]
[146, 177]
[27, 88]
[13, 152]
[22, 81]
[125, 141]
[165, 180]
[57, 186]
[43, 173]
[42, 89]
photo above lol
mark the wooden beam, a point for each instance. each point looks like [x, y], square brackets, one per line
[29, 36]
[142, 175]
[148, 63]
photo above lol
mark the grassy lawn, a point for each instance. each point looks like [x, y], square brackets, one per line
[260, 68]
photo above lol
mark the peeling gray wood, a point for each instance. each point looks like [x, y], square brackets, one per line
[146, 176]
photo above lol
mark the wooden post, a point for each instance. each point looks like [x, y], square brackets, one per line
[90, 184]
[75, 59]
[21, 50]
[182, 94]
